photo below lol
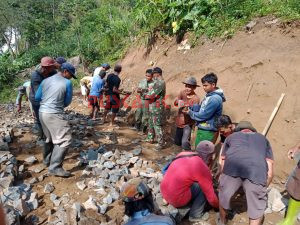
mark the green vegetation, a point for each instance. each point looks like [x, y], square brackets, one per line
[101, 30]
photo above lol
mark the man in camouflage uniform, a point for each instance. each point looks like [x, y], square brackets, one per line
[142, 112]
[156, 97]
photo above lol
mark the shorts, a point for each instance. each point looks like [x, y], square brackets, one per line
[256, 195]
[113, 103]
[93, 101]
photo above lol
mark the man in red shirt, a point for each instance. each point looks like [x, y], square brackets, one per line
[188, 181]
[186, 98]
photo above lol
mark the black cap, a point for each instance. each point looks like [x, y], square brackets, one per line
[157, 70]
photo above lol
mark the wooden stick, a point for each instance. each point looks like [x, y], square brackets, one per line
[268, 125]
[249, 91]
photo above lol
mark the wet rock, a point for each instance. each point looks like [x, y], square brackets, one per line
[81, 185]
[21, 207]
[92, 154]
[12, 216]
[107, 155]
[137, 151]
[134, 159]
[109, 164]
[49, 188]
[6, 182]
[30, 160]
[78, 209]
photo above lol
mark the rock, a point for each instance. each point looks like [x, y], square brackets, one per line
[3, 145]
[41, 178]
[53, 197]
[12, 216]
[251, 25]
[92, 154]
[90, 204]
[56, 202]
[30, 160]
[135, 141]
[21, 168]
[107, 155]
[81, 185]
[134, 159]
[137, 151]
[33, 201]
[37, 169]
[21, 206]
[114, 194]
[103, 208]
[6, 182]
[107, 200]
[160, 201]
[275, 200]
[49, 188]
[78, 209]
[33, 180]
[109, 165]
[75, 61]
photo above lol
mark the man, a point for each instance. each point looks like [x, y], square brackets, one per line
[96, 94]
[156, 96]
[85, 86]
[211, 107]
[58, 62]
[113, 104]
[187, 183]
[225, 127]
[139, 205]
[186, 98]
[54, 94]
[293, 188]
[142, 112]
[47, 69]
[248, 163]
[24, 90]
[104, 67]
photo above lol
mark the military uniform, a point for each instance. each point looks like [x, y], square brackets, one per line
[156, 97]
[142, 112]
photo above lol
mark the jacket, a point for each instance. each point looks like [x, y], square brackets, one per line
[210, 108]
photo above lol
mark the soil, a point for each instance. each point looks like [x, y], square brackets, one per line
[265, 59]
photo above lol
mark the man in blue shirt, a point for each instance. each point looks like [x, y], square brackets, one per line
[96, 94]
[54, 94]
[139, 205]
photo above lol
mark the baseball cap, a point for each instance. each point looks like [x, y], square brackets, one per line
[134, 188]
[157, 70]
[60, 60]
[245, 125]
[70, 68]
[205, 149]
[47, 61]
[105, 66]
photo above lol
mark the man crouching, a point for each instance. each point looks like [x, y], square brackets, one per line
[55, 93]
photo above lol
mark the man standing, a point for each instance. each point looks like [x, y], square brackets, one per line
[156, 97]
[113, 82]
[96, 94]
[103, 67]
[187, 183]
[248, 163]
[186, 98]
[211, 107]
[54, 94]
[24, 90]
[293, 188]
[47, 69]
[142, 112]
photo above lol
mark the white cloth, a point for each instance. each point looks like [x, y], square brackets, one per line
[97, 71]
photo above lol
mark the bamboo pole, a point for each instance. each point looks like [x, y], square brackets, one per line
[269, 123]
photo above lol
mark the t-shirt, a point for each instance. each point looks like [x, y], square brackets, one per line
[147, 218]
[181, 175]
[113, 80]
[97, 85]
[245, 155]
[183, 119]
[54, 94]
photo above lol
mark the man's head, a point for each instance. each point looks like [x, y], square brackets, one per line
[190, 85]
[206, 149]
[224, 124]
[209, 82]
[157, 73]
[59, 61]
[68, 71]
[47, 65]
[105, 66]
[118, 68]
[137, 196]
[245, 125]
[149, 75]
[102, 74]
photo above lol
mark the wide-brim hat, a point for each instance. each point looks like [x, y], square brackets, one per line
[191, 81]
[47, 61]
[245, 125]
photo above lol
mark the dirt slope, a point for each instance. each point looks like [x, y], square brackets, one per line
[267, 58]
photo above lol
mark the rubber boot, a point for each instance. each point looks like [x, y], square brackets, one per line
[47, 152]
[293, 210]
[56, 162]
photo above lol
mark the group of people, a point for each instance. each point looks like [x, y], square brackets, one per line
[190, 182]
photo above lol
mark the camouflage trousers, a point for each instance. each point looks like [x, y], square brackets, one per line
[155, 124]
[142, 114]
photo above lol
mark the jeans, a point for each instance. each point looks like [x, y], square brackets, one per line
[183, 137]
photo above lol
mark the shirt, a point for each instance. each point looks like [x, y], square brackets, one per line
[97, 85]
[113, 80]
[146, 218]
[183, 119]
[144, 84]
[245, 155]
[54, 94]
[180, 176]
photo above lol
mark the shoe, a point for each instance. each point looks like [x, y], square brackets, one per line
[59, 172]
